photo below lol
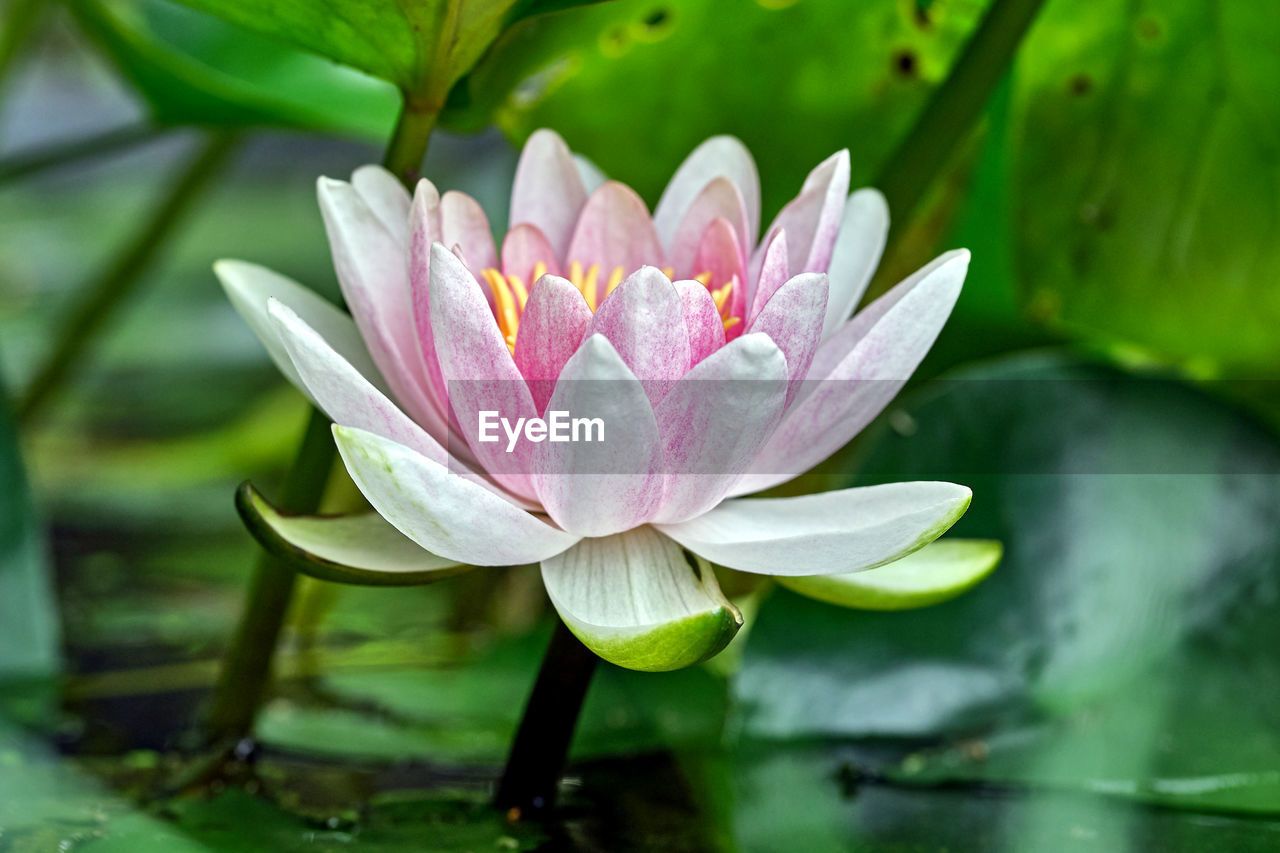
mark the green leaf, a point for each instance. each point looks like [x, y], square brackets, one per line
[938, 572]
[422, 46]
[1144, 177]
[193, 68]
[1133, 612]
[28, 614]
[672, 74]
[359, 549]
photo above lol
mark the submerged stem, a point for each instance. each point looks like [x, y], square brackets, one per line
[541, 747]
[102, 298]
[247, 665]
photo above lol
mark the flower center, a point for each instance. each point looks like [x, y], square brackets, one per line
[510, 293]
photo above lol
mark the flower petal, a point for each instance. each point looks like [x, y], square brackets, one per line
[718, 156]
[463, 223]
[812, 219]
[639, 601]
[250, 287]
[644, 320]
[592, 175]
[554, 322]
[936, 573]
[863, 232]
[523, 249]
[353, 549]
[372, 267]
[595, 488]
[715, 420]
[477, 368]
[386, 197]
[444, 513]
[774, 272]
[548, 190]
[701, 319]
[824, 534]
[858, 371]
[721, 255]
[614, 231]
[793, 319]
[718, 200]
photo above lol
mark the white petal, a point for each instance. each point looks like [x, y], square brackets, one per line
[718, 156]
[863, 232]
[827, 533]
[638, 600]
[441, 511]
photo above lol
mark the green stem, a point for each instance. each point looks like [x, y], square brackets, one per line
[540, 750]
[101, 299]
[956, 105]
[26, 163]
[247, 664]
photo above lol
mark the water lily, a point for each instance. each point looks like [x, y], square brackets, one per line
[723, 364]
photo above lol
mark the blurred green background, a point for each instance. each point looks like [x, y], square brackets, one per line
[1106, 386]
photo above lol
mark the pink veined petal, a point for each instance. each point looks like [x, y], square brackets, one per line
[463, 223]
[548, 190]
[715, 420]
[812, 219]
[386, 197]
[774, 272]
[644, 321]
[613, 231]
[826, 533]
[793, 320]
[372, 267]
[718, 156]
[701, 319]
[720, 254]
[523, 249]
[597, 488]
[444, 513]
[478, 369]
[858, 371]
[719, 200]
[863, 232]
[349, 399]
[554, 321]
[424, 230]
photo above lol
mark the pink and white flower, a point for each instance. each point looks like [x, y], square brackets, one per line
[586, 285]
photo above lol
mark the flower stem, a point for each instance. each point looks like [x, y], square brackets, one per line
[541, 747]
[955, 105]
[247, 665]
[24, 164]
[102, 298]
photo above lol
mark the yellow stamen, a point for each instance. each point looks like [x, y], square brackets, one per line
[517, 287]
[539, 270]
[615, 279]
[504, 305]
[703, 279]
[729, 321]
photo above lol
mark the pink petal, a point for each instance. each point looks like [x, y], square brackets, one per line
[424, 230]
[718, 156]
[614, 231]
[372, 267]
[774, 272]
[463, 223]
[524, 248]
[719, 200]
[597, 488]
[716, 420]
[548, 191]
[386, 197]
[701, 319]
[858, 371]
[478, 368]
[720, 254]
[793, 319]
[812, 219]
[857, 252]
[644, 320]
[554, 321]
